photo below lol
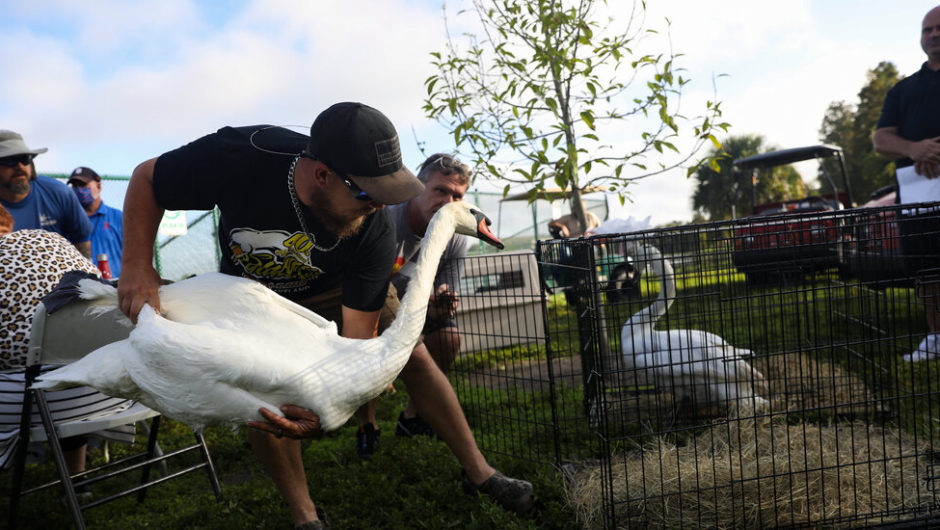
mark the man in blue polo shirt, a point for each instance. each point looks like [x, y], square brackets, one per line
[105, 220]
[38, 201]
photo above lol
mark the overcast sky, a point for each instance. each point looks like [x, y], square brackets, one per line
[110, 83]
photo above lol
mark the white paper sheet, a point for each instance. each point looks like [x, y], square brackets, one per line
[917, 188]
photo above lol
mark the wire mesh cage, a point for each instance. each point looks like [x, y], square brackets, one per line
[510, 392]
[744, 374]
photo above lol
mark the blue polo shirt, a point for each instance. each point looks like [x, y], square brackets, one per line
[106, 236]
[51, 206]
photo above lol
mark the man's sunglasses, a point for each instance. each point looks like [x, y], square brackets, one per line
[356, 191]
[15, 160]
[449, 165]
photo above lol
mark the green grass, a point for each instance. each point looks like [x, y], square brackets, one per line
[415, 483]
[410, 483]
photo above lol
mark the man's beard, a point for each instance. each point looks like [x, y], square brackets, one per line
[18, 186]
[341, 225]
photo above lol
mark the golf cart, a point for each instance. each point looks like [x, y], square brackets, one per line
[792, 237]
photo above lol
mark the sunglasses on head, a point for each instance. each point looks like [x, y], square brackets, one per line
[444, 161]
[15, 160]
[448, 165]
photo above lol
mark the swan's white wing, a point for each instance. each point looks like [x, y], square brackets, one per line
[223, 372]
[214, 295]
[178, 369]
[102, 369]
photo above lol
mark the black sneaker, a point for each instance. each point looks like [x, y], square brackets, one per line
[412, 427]
[84, 493]
[367, 440]
[320, 524]
[510, 493]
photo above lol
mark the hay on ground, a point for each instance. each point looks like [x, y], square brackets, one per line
[796, 382]
[757, 473]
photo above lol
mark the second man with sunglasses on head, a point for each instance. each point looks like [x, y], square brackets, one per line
[38, 201]
[304, 216]
[445, 180]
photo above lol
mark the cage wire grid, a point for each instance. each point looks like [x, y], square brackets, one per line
[822, 301]
[803, 413]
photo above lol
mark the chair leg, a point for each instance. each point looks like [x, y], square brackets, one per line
[59, 457]
[210, 467]
[19, 458]
[151, 451]
[157, 450]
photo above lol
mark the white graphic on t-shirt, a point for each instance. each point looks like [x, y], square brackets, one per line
[273, 254]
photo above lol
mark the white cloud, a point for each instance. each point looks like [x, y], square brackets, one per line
[178, 77]
[108, 83]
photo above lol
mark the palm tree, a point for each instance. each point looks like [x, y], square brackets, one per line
[726, 193]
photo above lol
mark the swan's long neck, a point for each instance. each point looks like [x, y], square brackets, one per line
[414, 306]
[667, 284]
[639, 327]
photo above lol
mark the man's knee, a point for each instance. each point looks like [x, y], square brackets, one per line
[419, 365]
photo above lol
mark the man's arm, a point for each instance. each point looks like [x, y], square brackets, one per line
[84, 248]
[360, 324]
[925, 153]
[139, 281]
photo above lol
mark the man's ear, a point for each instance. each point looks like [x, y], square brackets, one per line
[321, 173]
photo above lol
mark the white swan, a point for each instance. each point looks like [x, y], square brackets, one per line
[228, 346]
[694, 364]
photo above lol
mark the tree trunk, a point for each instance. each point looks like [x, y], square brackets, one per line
[577, 206]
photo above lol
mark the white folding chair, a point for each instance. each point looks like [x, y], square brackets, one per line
[63, 337]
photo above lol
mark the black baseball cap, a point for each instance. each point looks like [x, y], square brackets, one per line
[84, 175]
[361, 143]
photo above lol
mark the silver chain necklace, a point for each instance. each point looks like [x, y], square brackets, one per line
[300, 217]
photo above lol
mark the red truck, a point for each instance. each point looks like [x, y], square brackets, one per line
[790, 238]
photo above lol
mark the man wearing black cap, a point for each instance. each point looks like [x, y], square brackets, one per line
[305, 216]
[38, 201]
[105, 220]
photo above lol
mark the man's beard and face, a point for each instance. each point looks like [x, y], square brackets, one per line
[16, 179]
[341, 222]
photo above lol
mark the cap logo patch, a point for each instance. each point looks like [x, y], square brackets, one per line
[388, 152]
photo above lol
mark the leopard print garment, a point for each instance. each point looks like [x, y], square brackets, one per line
[31, 264]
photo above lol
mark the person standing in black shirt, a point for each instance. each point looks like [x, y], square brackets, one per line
[909, 131]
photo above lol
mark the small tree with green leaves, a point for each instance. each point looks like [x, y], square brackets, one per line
[530, 99]
[851, 126]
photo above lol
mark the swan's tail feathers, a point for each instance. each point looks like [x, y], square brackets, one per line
[745, 372]
[746, 375]
[755, 373]
[94, 290]
[747, 406]
[752, 385]
[103, 300]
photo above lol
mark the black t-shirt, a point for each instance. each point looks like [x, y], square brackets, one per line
[259, 233]
[913, 106]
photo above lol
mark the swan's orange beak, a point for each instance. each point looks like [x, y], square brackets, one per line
[483, 230]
